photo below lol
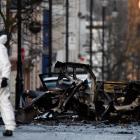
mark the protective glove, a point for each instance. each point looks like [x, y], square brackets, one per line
[4, 82]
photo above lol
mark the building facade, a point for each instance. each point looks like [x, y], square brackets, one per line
[133, 40]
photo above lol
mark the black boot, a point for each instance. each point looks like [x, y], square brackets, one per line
[8, 133]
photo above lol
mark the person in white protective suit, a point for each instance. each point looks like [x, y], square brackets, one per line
[7, 112]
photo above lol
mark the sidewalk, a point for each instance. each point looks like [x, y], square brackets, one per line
[63, 132]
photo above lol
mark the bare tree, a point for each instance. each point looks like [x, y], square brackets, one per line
[115, 56]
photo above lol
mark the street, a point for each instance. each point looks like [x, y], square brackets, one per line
[70, 60]
[75, 132]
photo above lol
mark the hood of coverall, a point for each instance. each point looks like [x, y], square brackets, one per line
[3, 39]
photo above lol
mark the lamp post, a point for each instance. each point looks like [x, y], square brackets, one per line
[104, 4]
[91, 35]
[50, 37]
[67, 30]
[19, 78]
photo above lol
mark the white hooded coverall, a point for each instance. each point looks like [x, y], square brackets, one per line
[6, 108]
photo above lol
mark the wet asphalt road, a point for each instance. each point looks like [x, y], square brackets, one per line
[75, 132]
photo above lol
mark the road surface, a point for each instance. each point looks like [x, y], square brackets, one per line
[75, 132]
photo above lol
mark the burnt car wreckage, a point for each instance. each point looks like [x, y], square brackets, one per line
[85, 98]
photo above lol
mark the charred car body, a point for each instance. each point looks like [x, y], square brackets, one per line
[68, 95]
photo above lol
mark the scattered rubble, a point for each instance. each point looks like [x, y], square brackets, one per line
[75, 98]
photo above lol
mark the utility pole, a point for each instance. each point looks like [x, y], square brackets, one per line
[90, 30]
[19, 78]
[67, 30]
[50, 37]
